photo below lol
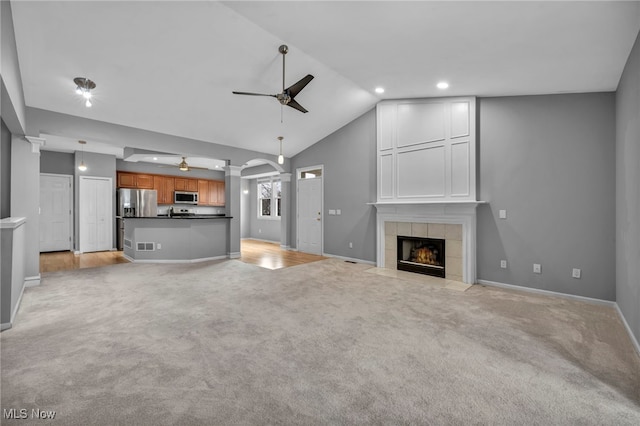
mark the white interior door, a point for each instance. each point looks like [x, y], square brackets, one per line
[55, 212]
[96, 216]
[310, 215]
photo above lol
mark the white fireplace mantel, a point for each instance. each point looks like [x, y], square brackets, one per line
[446, 212]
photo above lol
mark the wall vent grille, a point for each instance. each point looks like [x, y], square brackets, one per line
[145, 246]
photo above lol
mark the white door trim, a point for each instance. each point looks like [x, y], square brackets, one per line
[71, 197]
[299, 172]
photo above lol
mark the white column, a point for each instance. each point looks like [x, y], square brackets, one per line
[25, 198]
[285, 196]
[232, 205]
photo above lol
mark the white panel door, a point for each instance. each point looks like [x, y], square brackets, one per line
[55, 212]
[96, 216]
[310, 215]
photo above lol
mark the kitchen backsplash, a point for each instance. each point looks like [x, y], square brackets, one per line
[164, 209]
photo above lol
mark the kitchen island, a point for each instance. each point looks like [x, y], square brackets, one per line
[177, 239]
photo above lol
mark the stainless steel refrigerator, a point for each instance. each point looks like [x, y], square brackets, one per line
[134, 203]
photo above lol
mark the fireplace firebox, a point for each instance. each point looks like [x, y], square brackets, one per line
[421, 255]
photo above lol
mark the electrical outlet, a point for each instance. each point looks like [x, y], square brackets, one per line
[503, 264]
[350, 244]
[159, 246]
[536, 268]
[503, 214]
[576, 273]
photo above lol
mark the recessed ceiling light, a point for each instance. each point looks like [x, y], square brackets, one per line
[442, 85]
[379, 89]
[155, 158]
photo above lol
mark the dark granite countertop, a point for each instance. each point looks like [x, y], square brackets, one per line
[198, 216]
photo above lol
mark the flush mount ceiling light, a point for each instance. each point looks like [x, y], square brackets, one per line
[84, 86]
[442, 85]
[82, 167]
[379, 90]
[280, 157]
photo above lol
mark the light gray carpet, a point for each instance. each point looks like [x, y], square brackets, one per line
[322, 343]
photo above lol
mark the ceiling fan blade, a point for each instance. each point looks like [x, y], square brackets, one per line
[253, 94]
[294, 89]
[293, 104]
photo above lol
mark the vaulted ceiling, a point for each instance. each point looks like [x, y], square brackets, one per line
[170, 66]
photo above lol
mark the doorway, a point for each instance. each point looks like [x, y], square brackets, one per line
[96, 214]
[309, 209]
[56, 207]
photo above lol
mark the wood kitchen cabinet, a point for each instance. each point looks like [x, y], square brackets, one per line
[203, 192]
[210, 192]
[135, 180]
[186, 184]
[219, 186]
[165, 187]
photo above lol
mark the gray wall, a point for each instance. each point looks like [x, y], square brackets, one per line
[61, 163]
[349, 159]
[550, 162]
[12, 94]
[5, 171]
[138, 167]
[101, 165]
[627, 192]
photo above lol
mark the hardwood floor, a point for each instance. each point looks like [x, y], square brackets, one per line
[66, 260]
[261, 253]
[271, 256]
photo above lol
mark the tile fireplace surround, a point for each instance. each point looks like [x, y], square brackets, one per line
[455, 222]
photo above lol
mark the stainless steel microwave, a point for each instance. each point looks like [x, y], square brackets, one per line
[182, 197]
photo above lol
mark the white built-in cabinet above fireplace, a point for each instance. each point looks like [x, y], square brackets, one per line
[426, 150]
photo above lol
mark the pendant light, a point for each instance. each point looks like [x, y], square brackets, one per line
[280, 157]
[82, 167]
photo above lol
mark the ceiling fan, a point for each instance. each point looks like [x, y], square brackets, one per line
[286, 97]
[184, 167]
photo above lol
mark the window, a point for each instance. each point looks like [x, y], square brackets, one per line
[269, 196]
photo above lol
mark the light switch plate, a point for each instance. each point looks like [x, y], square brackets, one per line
[332, 212]
[503, 264]
[503, 214]
[338, 212]
[536, 268]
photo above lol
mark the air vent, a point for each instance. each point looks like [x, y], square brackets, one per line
[127, 243]
[145, 246]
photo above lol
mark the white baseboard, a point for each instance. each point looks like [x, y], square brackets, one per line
[350, 259]
[264, 241]
[626, 325]
[5, 326]
[203, 259]
[285, 247]
[234, 255]
[634, 341]
[33, 281]
[548, 293]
